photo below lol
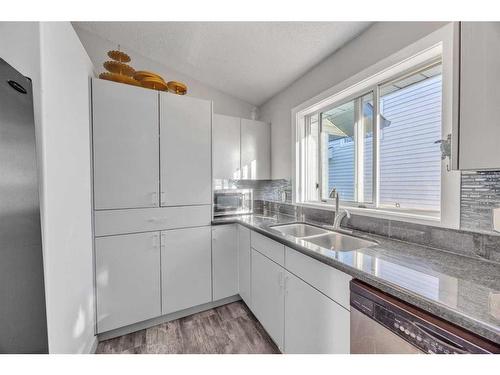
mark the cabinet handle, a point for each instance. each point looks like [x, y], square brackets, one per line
[155, 241]
[280, 280]
[162, 241]
[157, 219]
[286, 284]
[154, 198]
[162, 197]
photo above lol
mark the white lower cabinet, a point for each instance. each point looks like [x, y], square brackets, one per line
[267, 290]
[244, 264]
[127, 279]
[224, 261]
[145, 275]
[313, 322]
[186, 270]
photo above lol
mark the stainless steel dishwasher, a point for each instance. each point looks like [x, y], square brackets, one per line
[381, 324]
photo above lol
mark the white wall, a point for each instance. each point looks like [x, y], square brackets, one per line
[379, 41]
[65, 72]
[97, 48]
[52, 56]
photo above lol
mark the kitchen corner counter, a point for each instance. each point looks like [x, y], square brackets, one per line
[460, 289]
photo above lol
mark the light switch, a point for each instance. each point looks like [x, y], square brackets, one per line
[496, 219]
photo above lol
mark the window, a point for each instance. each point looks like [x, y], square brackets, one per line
[410, 158]
[347, 149]
[377, 148]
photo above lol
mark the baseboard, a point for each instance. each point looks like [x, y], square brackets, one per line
[165, 318]
[93, 346]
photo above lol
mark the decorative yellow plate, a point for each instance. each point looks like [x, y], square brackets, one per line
[178, 88]
[154, 83]
[119, 78]
[141, 74]
[119, 68]
[119, 56]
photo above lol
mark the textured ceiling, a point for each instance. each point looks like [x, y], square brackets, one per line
[249, 60]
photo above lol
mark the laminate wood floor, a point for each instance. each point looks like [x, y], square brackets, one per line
[227, 329]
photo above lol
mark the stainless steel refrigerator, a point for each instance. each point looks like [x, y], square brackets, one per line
[23, 323]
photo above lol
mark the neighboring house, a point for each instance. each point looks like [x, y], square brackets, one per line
[410, 160]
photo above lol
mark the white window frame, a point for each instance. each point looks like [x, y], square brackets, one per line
[442, 44]
[359, 152]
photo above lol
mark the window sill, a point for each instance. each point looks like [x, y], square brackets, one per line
[380, 213]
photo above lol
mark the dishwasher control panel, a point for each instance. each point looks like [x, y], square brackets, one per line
[411, 332]
[422, 330]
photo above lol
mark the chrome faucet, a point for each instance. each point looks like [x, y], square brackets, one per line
[300, 213]
[333, 193]
[339, 216]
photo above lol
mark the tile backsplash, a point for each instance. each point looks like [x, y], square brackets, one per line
[268, 190]
[477, 245]
[480, 193]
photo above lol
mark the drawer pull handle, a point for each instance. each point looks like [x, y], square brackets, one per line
[157, 219]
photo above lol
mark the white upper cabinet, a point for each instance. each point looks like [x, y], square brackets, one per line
[226, 147]
[479, 122]
[255, 150]
[125, 146]
[241, 149]
[185, 147]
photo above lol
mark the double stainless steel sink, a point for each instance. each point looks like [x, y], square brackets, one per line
[299, 230]
[323, 237]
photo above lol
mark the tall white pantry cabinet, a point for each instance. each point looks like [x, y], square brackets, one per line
[152, 203]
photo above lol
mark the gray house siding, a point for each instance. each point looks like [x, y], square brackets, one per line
[410, 161]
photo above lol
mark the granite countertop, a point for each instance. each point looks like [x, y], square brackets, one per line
[460, 289]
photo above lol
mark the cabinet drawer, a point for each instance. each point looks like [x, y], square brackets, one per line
[150, 219]
[328, 280]
[270, 248]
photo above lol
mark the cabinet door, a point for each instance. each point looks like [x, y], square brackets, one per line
[125, 145]
[479, 95]
[224, 261]
[244, 263]
[255, 150]
[185, 268]
[127, 279]
[185, 148]
[313, 322]
[268, 303]
[226, 147]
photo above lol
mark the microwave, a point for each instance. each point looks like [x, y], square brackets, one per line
[233, 202]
